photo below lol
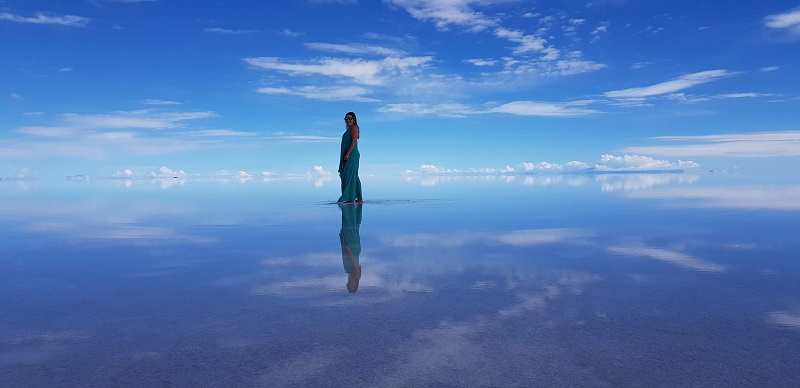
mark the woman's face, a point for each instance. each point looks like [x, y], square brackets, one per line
[349, 120]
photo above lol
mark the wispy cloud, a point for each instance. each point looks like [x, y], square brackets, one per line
[160, 102]
[520, 108]
[326, 93]
[447, 13]
[361, 71]
[754, 144]
[357, 49]
[99, 136]
[789, 21]
[535, 108]
[305, 138]
[142, 119]
[220, 133]
[230, 32]
[672, 86]
[41, 18]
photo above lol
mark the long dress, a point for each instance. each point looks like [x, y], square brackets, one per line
[348, 170]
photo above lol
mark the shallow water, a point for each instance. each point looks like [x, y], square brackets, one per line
[563, 280]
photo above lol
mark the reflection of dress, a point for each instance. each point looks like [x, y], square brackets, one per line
[348, 171]
[350, 237]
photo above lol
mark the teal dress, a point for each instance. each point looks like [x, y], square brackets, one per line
[348, 171]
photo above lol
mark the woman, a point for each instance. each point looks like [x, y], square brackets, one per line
[348, 162]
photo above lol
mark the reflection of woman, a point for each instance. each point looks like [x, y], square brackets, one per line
[350, 238]
[348, 162]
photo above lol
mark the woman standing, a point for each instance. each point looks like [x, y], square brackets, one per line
[348, 162]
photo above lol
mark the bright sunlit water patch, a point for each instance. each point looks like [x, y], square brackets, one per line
[539, 280]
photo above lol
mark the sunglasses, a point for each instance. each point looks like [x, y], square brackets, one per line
[348, 119]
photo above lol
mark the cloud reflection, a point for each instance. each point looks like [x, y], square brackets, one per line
[677, 258]
[772, 197]
[783, 318]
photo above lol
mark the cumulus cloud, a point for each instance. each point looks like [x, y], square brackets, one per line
[166, 172]
[607, 164]
[674, 85]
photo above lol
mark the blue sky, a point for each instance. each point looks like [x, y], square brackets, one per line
[251, 88]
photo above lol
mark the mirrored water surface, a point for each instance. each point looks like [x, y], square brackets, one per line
[563, 280]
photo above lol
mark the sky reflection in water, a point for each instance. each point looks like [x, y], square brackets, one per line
[564, 280]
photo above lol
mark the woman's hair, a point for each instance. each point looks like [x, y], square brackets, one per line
[355, 120]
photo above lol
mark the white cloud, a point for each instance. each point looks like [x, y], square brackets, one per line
[769, 69]
[482, 62]
[606, 164]
[358, 70]
[166, 172]
[99, 136]
[230, 32]
[48, 131]
[443, 110]
[160, 102]
[755, 144]
[534, 108]
[677, 84]
[527, 43]
[40, 18]
[788, 20]
[142, 119]
[332, 93]
[290, 33]
[742, 95]
[305, 138]
[358, 49]
[447, 13]
[320, 171]
[220, 132]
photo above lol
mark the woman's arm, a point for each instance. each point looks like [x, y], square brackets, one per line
[353, 142]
